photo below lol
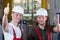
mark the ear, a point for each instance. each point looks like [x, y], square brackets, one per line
[36, 19]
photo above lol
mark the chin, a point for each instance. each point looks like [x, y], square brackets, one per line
[41, 23]
[17, 21]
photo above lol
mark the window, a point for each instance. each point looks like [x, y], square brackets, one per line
[30, 7]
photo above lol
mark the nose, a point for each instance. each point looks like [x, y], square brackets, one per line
[41, 17]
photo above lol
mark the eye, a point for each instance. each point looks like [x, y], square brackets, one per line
[39, 17]
[20, 15]
[17, 15]
[42, 17]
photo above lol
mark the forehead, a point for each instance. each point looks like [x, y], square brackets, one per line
[41, 16]
[16, 13]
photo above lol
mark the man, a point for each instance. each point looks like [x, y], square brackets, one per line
[42, 31]
[12, 28]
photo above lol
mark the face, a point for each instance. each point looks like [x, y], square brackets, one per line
[16, 17]
[41, 19]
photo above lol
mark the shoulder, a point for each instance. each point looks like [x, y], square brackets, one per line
[10, 28]
[32, 30]
[50, 26]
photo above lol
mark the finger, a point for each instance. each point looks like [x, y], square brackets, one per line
[7, 4]
[55, 20]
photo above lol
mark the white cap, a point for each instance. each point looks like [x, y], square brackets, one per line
[42, 12]
[18, 9]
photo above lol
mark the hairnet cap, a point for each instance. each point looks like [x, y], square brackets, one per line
[18, 9]
[42, 12]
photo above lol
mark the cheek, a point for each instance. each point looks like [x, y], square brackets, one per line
[38, 20]
[19, 17]
[45, 19]
[13, 16]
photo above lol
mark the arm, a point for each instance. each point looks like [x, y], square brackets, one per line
[56, 29]
[5, 18]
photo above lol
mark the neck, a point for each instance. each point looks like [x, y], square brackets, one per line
[42, 26]
[14, 23]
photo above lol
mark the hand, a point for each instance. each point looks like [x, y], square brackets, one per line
[59, 27]
[57, 23]
[56, 20]
[6, 9]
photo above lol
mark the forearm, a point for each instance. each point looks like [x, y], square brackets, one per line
[5, 21]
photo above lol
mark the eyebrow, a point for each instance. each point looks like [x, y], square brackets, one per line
[14, 12]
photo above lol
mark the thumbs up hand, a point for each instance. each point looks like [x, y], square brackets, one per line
[6, 9]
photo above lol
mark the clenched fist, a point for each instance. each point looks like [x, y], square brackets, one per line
[6, 9]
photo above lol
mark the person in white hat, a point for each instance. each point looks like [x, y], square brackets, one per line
[12, 29]
[42, 31]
